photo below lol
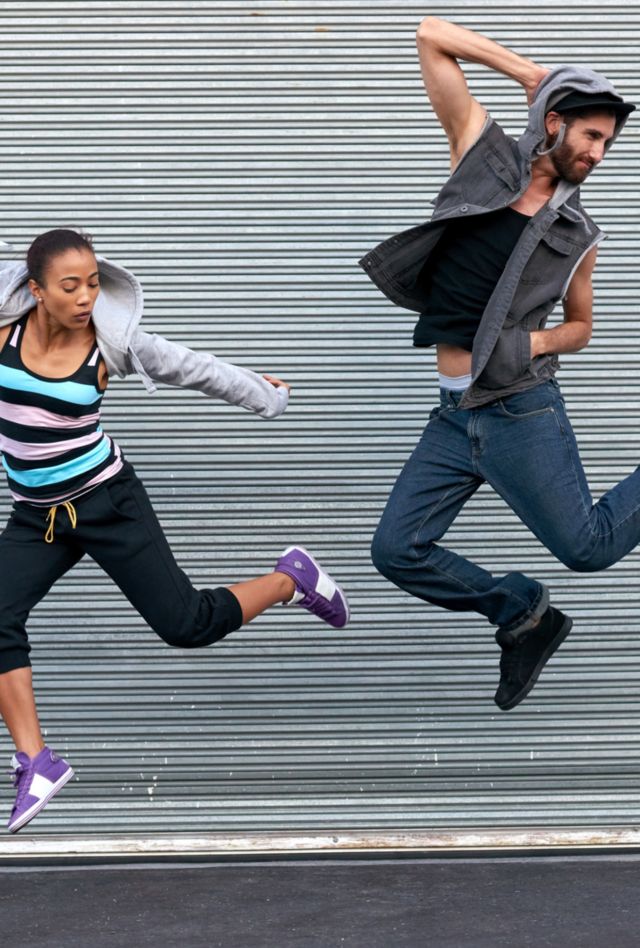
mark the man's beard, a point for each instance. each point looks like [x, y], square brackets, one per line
[565, 161]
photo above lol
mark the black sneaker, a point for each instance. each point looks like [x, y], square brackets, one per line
[525, 654]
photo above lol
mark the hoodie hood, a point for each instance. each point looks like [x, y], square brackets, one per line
[127, 350]
[117, 311]
[555, 86]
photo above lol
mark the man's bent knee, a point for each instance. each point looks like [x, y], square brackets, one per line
[383, 553]
[586, 561]
[393, 558]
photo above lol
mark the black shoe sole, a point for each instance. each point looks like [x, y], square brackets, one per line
[553, 645]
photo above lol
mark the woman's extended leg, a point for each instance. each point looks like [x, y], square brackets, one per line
[257, 595]
[117, 527]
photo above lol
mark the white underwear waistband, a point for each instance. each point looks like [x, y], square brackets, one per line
[456, 383]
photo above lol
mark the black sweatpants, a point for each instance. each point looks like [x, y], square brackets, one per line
[118, 528]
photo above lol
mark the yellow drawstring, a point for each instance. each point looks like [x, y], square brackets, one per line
[51, 517]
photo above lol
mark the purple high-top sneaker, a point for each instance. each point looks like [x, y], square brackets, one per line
[37, 780]
[315, 590]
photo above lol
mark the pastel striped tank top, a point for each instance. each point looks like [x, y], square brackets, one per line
[53, 447]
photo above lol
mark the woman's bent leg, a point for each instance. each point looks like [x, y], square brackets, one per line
[28, 569]
[18, 710]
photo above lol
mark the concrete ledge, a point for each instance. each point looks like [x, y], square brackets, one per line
[42, 848]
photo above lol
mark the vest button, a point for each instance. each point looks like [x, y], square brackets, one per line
[464, 209]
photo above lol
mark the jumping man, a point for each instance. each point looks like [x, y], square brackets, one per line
[508, 239]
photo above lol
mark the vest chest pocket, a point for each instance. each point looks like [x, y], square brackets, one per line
[551, 262]
[495, 181]
[487, 182]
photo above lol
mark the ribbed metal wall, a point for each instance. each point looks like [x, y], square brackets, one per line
[240, 157]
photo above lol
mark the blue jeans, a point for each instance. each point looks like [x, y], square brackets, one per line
[524, 447]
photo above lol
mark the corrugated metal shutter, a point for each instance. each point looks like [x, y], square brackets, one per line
[240, 157]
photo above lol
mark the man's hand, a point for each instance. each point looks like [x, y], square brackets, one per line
[575, 332]
[569, 337]
[532, 83]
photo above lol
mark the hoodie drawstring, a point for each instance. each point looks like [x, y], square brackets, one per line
[559, 140]
[51, 517]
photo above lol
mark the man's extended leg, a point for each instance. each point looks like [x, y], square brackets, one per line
[527, 451]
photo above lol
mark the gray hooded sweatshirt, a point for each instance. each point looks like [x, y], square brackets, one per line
[493, 173]
[127, 350]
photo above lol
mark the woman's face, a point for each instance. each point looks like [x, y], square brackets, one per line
[70, 289]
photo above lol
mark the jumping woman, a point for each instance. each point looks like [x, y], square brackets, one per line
[69, 321]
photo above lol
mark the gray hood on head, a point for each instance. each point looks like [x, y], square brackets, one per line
[555, 86]
[117, 310]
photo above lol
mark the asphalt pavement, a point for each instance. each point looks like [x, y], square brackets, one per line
[514, 902]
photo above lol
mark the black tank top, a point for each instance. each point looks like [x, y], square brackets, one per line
[462, 273]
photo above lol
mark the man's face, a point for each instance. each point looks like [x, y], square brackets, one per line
[583, 146]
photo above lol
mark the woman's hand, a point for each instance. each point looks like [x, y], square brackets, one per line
[282, 393]
[277, 383]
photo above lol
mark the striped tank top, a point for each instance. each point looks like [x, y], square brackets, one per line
[53, 448]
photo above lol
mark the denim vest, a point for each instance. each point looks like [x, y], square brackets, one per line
[492, 174]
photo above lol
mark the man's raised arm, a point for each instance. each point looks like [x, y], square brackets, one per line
[440, 45]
